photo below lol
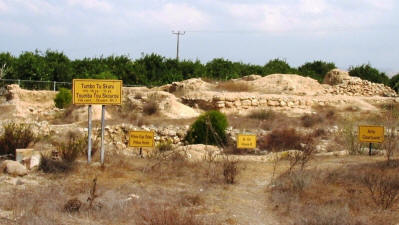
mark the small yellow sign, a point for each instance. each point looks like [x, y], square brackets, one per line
[371, 134]
[246, 141]
[97, 92]
[141, 139]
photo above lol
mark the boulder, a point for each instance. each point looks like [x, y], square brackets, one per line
[13, 168]
[336, 76]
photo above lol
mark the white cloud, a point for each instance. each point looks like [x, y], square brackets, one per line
[3, 6]
[99, 5]
[313, 6]
[175, 16]
[57, 30]
[40, 7]
[305, 15]
[14, 29]
[381, 4]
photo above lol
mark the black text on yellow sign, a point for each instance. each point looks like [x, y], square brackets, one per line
[141, 139]
[246, 141]
[371, 134]
[97, 92]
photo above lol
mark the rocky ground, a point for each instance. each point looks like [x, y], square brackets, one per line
[287, 97]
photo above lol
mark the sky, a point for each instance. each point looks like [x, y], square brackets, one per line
[346, 32]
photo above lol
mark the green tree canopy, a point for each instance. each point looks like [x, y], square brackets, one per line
[316, 69]
[366, 72]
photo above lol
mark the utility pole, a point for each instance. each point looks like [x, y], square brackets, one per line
[178, 33]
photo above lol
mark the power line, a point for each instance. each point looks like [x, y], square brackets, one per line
[178, 33]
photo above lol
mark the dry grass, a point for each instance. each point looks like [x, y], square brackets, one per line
[263, 119]
[263, 114]
[355, 194]
[282, 139]
[125, 190]
[66, 116]
[234, 86]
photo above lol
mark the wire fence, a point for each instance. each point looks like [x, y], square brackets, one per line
[42, 85]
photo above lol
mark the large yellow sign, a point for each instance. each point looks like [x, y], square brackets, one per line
[371, 134]
[97, 92]
[246, 141]
[141, 139]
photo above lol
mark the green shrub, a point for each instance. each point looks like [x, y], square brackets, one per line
[316, 70]
[277, 66]
[394, 82]
[209, 128]
[366, 72]
[63, 98]
[15, 136]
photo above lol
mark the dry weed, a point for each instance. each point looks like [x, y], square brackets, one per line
[234, 86]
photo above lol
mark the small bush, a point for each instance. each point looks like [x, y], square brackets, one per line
[311, 120]
[164, 215]
[383, 188]
[351, 139]
[150, 108]
[302, 157]
[74, 147]
[164, 146]
[72, 205]
[262, 115]
[209, 128]
[191, 200]
[293, 183]
[15, 136]
[230, 171]
[281, 139]
[63, 98]
[48, 165]
[331, 214]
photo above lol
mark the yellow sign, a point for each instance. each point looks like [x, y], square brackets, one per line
[141, 139]
[246, 141]
[371, 134]
[97, 92]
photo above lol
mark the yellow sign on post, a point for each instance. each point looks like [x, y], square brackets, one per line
[141, 139]
[97, 92]
[371, 134]
[246, 141]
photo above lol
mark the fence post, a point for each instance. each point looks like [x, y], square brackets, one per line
[54, 83]
[19, 83]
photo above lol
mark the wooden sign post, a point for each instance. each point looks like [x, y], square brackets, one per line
[246, 141]
[141, 139]
[371, 134]
[96, 92]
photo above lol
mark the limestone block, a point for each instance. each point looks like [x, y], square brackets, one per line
[272, 103]
[246, 102]
[237, 103]
[262, 101]
[220, 104]
[254, 102]
[219, 98]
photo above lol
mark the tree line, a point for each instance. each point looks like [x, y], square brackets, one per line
[153, 69]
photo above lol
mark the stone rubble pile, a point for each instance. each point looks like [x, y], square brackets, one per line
[343, 84]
